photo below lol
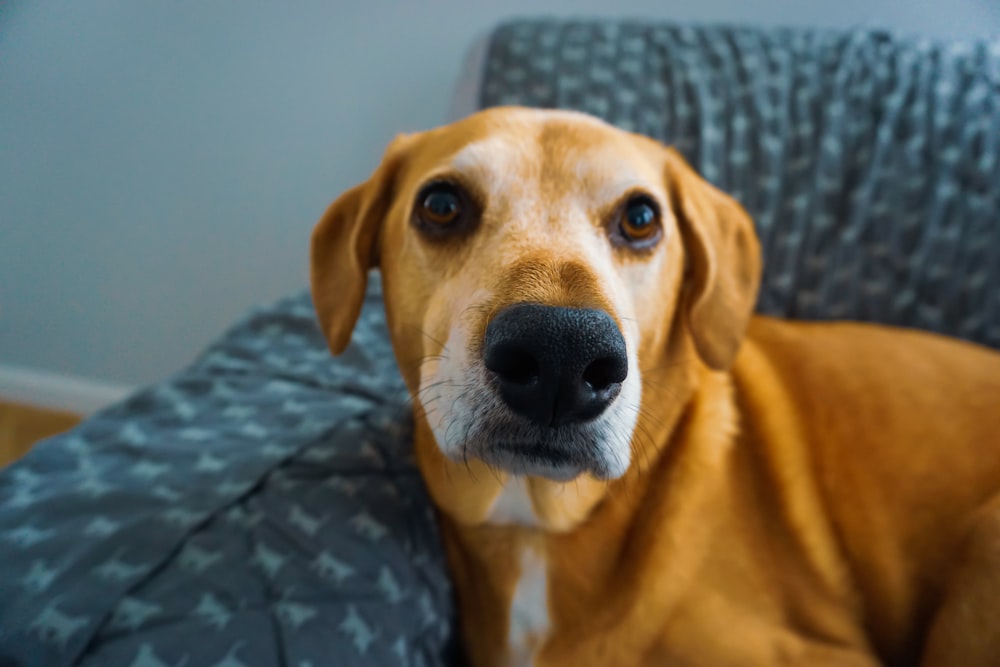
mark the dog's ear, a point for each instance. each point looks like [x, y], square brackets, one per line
[344, 246]
[724, 265]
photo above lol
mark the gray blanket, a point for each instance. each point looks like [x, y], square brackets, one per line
[260, 508]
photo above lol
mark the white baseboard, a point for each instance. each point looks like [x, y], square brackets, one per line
[63, 392]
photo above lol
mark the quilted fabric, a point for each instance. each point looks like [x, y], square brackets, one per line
[264, 502]
[871, 163]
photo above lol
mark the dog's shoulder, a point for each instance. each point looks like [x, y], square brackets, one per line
[850, 390]
[871, 352]
[872, 401]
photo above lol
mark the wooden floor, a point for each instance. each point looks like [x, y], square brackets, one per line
[21, 426]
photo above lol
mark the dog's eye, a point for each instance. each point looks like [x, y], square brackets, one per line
[439, 205]
[444, 209]
[640, 221]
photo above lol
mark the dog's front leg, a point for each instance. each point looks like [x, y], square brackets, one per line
[485, 564]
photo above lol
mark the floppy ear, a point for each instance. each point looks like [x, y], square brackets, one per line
[724, 264]
[344, 246]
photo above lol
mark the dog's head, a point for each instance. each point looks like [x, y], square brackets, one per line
[535, 265]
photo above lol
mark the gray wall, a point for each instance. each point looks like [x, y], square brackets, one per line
[161, 164]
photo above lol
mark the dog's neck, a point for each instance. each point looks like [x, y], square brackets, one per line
[472, 494]
[584, 531]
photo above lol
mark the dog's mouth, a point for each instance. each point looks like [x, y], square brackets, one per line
[518, 447]
[473, 422]
[538, 459]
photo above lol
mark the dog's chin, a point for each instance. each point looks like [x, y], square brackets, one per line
[560, 455]
[532, 460]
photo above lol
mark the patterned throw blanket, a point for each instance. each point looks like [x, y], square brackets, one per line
[262, 507]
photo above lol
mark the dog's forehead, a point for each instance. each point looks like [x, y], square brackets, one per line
[557, 151]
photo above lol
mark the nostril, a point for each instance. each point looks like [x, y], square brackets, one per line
[513, 364]
[604, 372]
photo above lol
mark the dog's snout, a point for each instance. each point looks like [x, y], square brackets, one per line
[555, 365]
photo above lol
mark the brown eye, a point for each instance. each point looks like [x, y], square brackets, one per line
[444, 209]
[440, 205]
[640, 221]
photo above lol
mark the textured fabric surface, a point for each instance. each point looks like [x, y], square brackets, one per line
[870, 163]
[260, 508]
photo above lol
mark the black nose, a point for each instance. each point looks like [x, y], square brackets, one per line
[555, 366]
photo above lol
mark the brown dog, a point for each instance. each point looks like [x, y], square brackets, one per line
[630, 468]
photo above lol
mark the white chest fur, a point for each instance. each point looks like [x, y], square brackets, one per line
[513, 505]
[529, 611]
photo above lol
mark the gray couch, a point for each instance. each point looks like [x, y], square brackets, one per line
[261, 507]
